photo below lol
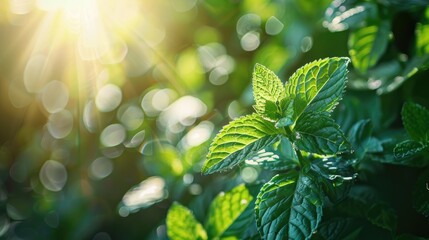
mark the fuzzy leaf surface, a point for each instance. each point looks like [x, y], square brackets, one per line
[226, 208]
[267, 91]
[367, 45]
[289, 206]
[241, 139]
[317, 86]
[415, 119]
[318, 133]
[182, 225]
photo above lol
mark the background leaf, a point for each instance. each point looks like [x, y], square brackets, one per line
[289, 207]
[318, 85]
[318, 133]
[266, 87]
[422, 34]
[342, 15]
[241, 139]
[410, 149]
[182, 225]
[415, 119]
[421, 194]
[367, 44]
[226, 208]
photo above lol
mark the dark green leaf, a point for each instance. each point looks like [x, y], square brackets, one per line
[182, 225]
[317, 86]
[367, 44]
[318, 133]
[409, 149]
[278, 156]
[289, 207]
[382, 215]
[421, 194]
[409, 237]
[267, 91]
[415, 119]
[226, 208]
[240, 140]
[361, 140]
[339, 228]
[337, 176]
[342, 15]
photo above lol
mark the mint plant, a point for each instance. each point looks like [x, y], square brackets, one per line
[294, 116]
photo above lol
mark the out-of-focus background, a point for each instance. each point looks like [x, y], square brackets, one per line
[108, 106]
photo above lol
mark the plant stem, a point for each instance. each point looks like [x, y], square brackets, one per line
[291, 137]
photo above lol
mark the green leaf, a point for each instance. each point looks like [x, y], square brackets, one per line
[415, 119]
[317, 86]
[289, 206]
[337, 175]
[240, 140]
[361, 140]
[342, 15]
[409, 149]
[318, 133]
[339, 228]
[182, 225]
[422, 35]
[267, 91]
[382, 215]
[421, 194]
[278, 156]
[226, 208]
[409, 237]
[367, 44]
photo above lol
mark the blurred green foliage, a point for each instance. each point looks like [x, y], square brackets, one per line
[98, 137]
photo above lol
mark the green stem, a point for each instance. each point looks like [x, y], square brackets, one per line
[291, 137]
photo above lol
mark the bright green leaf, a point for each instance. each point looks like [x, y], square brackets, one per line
[240, 140]
[267, 87]
[317, 86]
[182, 225]
[226, 208]
[415, 119]
[289, 207]
[278, 156]
[421, 194]
[318, 133]
[367, 44]
[422, 35]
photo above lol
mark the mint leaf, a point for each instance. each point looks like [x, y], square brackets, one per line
[367, 44]
[409, 149]
[361, 140]
[421, 194]
[415, 119]
[342, 15]
[241, 139]
[318, 133]
[339, 228]
[182, 225]
[278, 156]
[382, 215]
[226, 208]
[289, 206]
[317, 86]
[268, 90]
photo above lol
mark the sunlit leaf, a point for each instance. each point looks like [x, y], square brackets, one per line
[267, 87]
[344, 14]
[367, 44]
[278, 156]
[421, 194]
[422, 35]
[241, 139]
[289, 206]
[226, 208]
[317, 86]
[318, 133]
[415, 119]
[182, 225]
